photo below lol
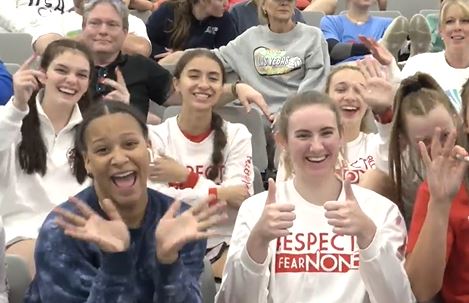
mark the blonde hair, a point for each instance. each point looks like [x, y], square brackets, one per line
[446, 4]
[261, 13]
[366, 125]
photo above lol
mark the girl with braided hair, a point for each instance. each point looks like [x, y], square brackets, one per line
[198, 152]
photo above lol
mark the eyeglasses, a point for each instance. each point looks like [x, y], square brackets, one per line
[101, 88]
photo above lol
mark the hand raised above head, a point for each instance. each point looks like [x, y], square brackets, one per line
[109, 235]
[347, 218]
[174, 231]
[25, 82]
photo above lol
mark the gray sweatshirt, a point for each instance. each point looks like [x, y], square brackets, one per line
[278, 65]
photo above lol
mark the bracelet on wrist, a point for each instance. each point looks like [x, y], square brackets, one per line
[233, 88]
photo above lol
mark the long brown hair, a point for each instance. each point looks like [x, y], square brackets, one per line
[181, 25]
[417, 95]
[32, 152]
[220, 140]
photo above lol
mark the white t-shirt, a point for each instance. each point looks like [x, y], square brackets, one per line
[313, 264]
[367, 151]
[25, 15]
[449, 78]
[168, 139]
[70, 25]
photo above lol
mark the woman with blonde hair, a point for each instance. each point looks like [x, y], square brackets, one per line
[450, 67]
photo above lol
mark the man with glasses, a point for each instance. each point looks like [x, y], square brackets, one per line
[105, 31]
[70, 25]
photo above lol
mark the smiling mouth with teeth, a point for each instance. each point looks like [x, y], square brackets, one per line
[349, 108]
[316, 159]
[67, 91]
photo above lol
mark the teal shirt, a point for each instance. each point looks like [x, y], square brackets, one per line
[437, 42]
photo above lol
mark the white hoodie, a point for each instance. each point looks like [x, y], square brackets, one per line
[313, 264]
[26, 199]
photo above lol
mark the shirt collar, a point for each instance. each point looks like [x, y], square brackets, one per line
[75, 118]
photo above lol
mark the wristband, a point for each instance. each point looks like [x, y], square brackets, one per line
[233, 88]
[191, 181]
[384, 117]
[214, 192]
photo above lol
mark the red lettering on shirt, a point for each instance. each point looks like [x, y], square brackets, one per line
[359, 167]
[316, 252]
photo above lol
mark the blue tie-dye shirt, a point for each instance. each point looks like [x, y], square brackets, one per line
[70, 270]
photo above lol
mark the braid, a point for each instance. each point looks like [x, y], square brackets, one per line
[219, 143]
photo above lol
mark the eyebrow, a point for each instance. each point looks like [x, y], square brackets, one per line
[194, 70]
[68, 67]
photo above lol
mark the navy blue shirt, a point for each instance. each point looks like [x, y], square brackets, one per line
[6, 85]
[70, 270]
[210, 33]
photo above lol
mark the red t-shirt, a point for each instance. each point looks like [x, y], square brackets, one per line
[456, 278]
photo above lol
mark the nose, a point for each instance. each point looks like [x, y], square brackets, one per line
[102, 29]
[457, 24]
[71, 78]
[119, 157]
[315, 144]
[350, 95]
[203, 82]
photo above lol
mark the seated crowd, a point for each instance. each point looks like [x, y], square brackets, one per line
[366, 121]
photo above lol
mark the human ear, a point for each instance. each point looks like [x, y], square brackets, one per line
[88, 166]
[280, 141]
[176, 85]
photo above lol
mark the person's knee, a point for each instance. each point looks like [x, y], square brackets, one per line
[25, 250]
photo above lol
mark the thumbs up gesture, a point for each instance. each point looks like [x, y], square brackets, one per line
[275, 219]
[347, 218]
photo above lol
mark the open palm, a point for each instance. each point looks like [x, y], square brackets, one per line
[444, 171]
[174, 231]
[378, 92]
[109, 235]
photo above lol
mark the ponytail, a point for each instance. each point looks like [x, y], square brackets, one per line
[32, 152]
[219, 143]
